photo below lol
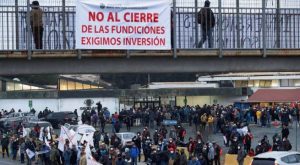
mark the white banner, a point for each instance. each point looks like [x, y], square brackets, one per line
[123, 24]
[91, 161]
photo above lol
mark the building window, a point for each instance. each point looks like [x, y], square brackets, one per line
[63, 85]
[241, 83]
[71, 85]
[78, 86]
[265, 83]
[296, 83]
[86, 86]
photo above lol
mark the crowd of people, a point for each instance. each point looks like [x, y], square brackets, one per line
[157, 143]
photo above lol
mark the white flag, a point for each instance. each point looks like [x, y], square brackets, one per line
[91, 161]
[47, 143]
[41, 134]
[25, 133]
[30, 153]
[88, 151]
[225, 139]
[243, 131]
[49, 134]
[62, 138]
[72, 134]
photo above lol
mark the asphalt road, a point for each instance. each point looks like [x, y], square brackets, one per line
[258, 133]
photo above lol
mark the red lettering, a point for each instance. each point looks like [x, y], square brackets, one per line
[141, 17]
[93, 16]
[86, 28]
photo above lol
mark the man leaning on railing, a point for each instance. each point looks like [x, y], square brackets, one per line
[36, 22]
[207, 20]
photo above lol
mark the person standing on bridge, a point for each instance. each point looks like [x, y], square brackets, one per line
[36, 22]
[207, 20]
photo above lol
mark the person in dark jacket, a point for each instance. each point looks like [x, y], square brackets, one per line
[217, 153]
[73, 158]
[155, 160]
[285, 132]
[182, 158]
[4, 144]
[156, 137]
[247, 141]
[259, 149]
[241, 155]
[117, 126]
[67, 153]
[128, 122]
[121, 160]
[15, 147]
[29, 144]
[286, 145]
[46, 156]
[138, 142]
[36, 22]
[164, 157]
[207, 20]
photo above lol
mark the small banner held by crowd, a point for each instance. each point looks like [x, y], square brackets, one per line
[25, 133]
[30, 153]
[242, 131]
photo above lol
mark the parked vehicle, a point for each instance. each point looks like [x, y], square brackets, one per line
[13, 119]
[33, 123]
[61, 118]
[126, 137]
[277, 158]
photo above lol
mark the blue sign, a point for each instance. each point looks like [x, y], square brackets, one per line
[169, 122]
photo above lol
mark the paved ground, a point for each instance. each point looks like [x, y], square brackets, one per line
[258, 133]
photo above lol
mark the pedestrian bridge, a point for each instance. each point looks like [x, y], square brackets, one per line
[245, 39]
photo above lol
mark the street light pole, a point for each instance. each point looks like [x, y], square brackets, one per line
[296, 126]
[296, 135]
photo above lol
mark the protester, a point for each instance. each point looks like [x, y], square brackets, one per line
[206, 19]
[4, 144]
[241, 155]
[36, 22]
[160, 148]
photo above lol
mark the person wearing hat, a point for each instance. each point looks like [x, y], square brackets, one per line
[207, 20]
[36, 22]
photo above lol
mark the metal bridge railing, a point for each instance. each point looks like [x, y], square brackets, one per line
[236, 28]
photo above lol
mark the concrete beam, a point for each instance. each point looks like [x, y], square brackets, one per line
[149, 65]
